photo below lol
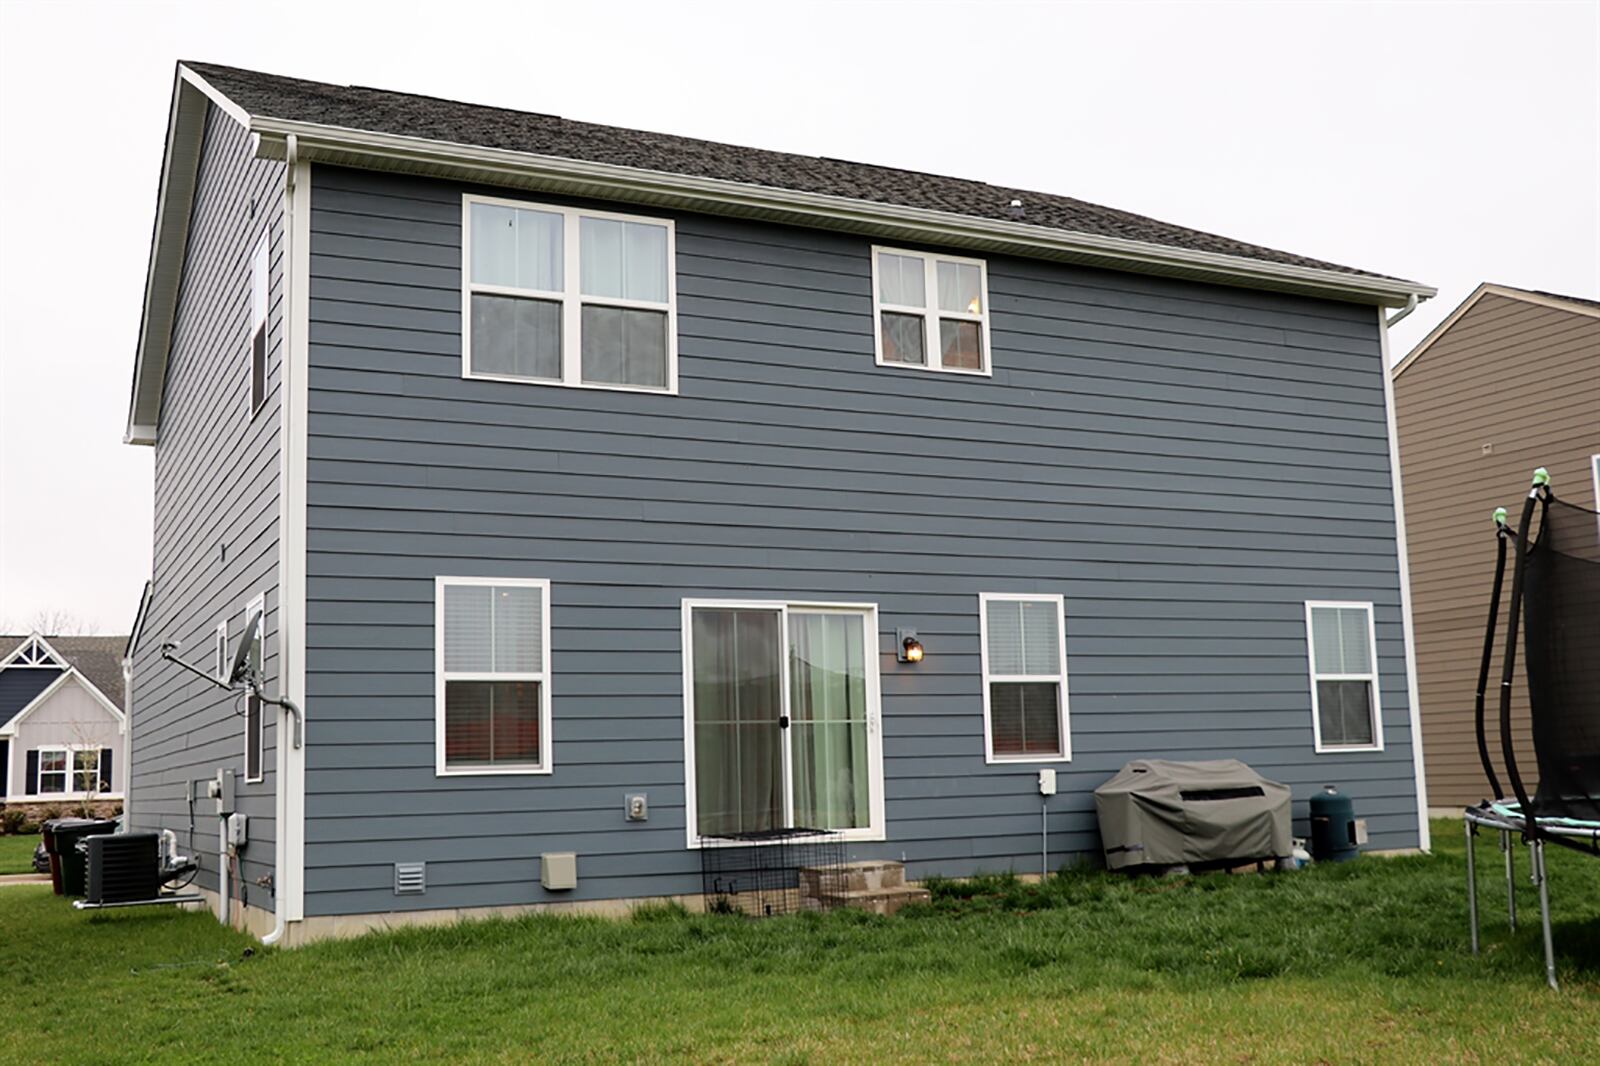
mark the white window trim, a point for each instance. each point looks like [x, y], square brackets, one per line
[1060, 679]
[1371, 676]
[440, 677]
[66, 783]
[260, 258]
[875, 829]
[219, 652]
[1594, 471]
[571, 297]
[931, 314]
[258, 605]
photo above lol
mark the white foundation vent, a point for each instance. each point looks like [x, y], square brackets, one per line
[410, 878]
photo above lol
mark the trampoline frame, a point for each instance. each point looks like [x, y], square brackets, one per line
[1515, 814]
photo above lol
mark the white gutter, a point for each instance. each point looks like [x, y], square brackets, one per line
[1411, 305]
[340, 145]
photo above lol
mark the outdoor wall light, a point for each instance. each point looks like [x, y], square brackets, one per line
[908, 649]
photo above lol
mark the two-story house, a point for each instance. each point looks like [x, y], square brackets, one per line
[607, 492]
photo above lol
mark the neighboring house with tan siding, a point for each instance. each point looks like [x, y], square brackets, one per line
[1509, 382]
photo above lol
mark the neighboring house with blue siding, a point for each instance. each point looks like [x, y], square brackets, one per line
[62, 727]
[568, 464]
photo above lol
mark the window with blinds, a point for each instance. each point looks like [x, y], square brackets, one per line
[493, 672]
[558, 296]
[932, 310]
[1344, 677]
[1024, 677]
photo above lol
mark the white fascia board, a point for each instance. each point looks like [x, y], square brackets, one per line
[169, 240]
[350, 147]
[1488, 288]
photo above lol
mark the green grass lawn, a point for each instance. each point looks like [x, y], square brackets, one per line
[1357, 963]
[16, 853]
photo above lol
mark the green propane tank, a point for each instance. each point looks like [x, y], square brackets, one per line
[1333, 826]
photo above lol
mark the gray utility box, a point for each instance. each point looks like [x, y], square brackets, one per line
[1156, 812]
[558, 870]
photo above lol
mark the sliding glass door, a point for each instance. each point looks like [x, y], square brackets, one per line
[782, 705]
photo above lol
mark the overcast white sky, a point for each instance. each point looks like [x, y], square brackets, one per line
[1449, 143]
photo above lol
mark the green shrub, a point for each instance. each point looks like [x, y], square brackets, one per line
[12, 820]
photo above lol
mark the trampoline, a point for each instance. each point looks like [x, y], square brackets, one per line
[1555, 597]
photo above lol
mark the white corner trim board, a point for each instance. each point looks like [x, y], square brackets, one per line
[1408, 628]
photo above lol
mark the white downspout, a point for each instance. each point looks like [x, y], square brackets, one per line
[281, 805]
[1411, 305]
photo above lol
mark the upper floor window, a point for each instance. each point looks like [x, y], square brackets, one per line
[560, 296]
[492, 675]
[932, 311]
[1344, 677]
[1024, 677]
[260, 282]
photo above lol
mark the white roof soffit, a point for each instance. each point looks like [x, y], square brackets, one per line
[341, 146]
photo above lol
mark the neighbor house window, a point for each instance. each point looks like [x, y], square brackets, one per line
[782, 704]
[86, 770]
[1024, 677]
[254, 720]
[1344, 677]
[260, 280]
[567, 297]
[493, 675]
[53, 763]
[932, 311]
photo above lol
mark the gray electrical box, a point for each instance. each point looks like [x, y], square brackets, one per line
[220, 789]
[638, 806]
[558, 870]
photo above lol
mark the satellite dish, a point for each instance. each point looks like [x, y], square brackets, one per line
[241, 658]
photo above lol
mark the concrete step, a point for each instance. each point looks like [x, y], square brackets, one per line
[883, 901]
[868, 875]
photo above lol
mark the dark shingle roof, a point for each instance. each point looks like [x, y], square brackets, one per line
[1569, 299]
[430, 118]
[97, 658]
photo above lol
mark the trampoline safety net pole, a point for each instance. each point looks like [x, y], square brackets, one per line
[1472, 881]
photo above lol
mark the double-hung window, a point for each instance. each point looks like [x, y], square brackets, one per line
[492, 675]
[932, 311]
[53, 773]
[1024, 677]
[1345, 712]
[86, 770]
[560, 296]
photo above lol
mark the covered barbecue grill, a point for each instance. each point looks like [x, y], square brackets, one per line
[1156, 812]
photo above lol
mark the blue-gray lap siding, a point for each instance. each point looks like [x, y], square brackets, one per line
[1186, 464]
[215, 544]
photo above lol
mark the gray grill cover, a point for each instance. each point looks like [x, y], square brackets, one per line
[1164, 813]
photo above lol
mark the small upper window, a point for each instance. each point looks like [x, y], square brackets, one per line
[219, 653]
[932, 311]
[493, 680]
[566, 297]
[1344, 677]
[260, 281]
[1024, 677]
[254, 721]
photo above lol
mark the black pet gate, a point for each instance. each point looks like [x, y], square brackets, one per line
[774, 871]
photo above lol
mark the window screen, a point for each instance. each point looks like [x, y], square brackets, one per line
[493, 673]
[1024, 677]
